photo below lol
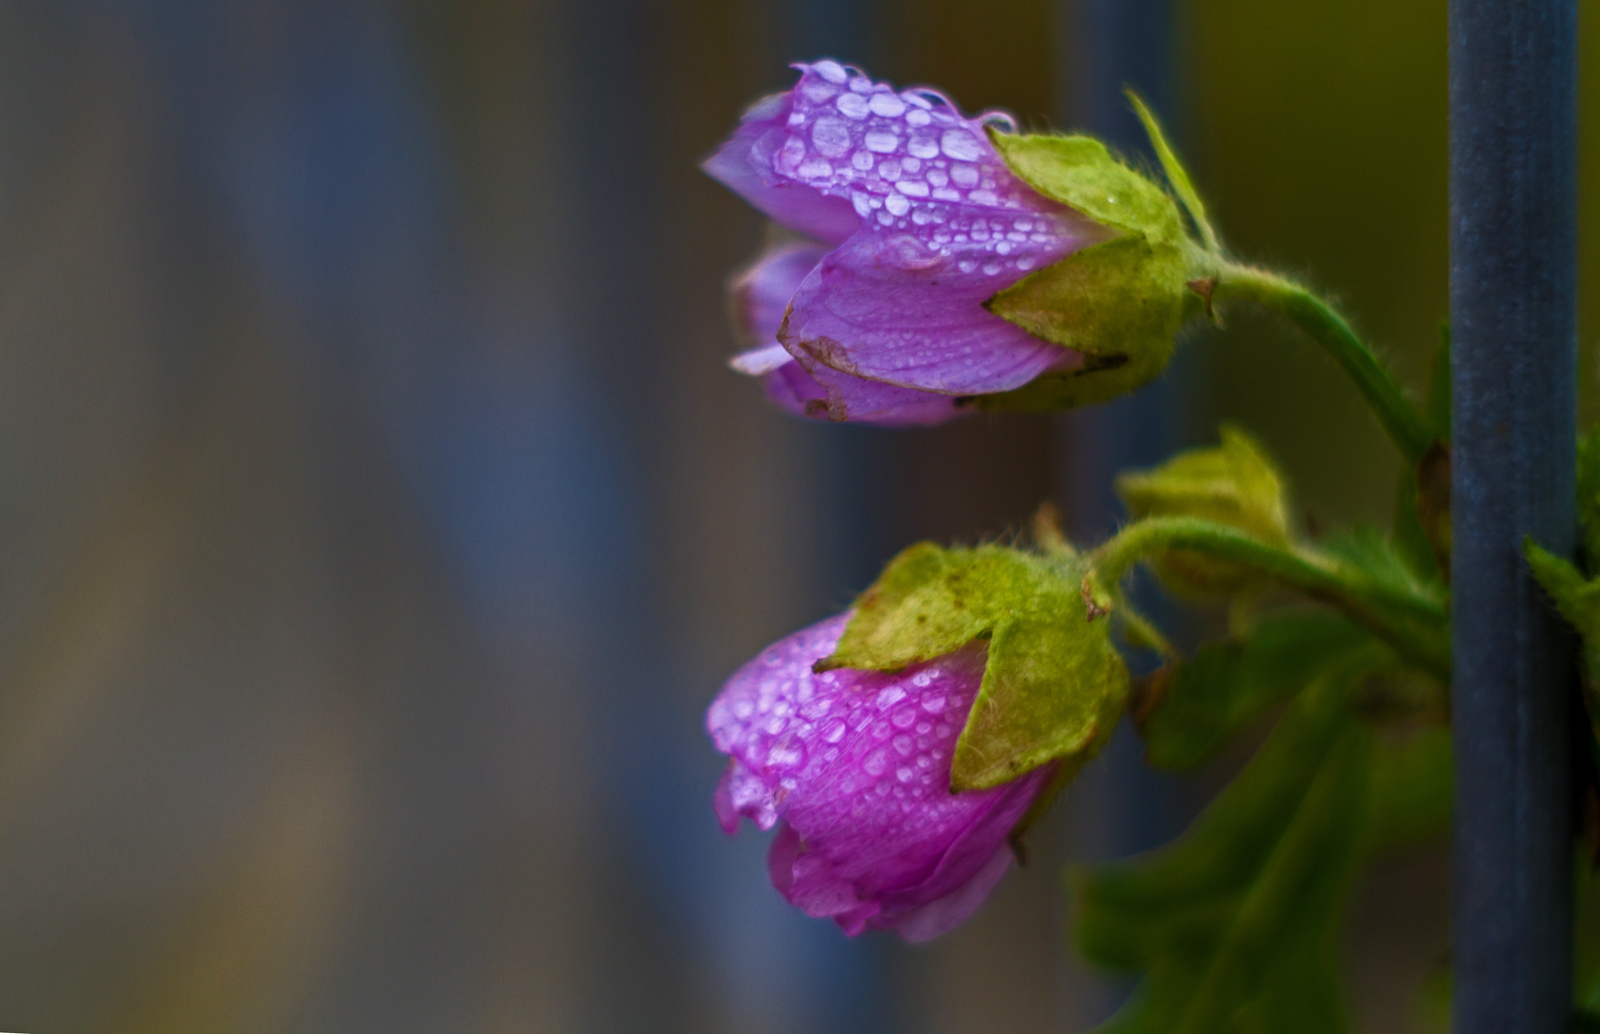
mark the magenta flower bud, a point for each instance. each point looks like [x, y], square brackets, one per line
[854, 769]
[919, 222]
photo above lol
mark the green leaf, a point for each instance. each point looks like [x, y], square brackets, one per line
[1235, 483]
[1053, 685]
[1576, 598]
[1120, 303]
[1082, 174]
[1177, 175]
[1229, 684]
[1411, 789]
[1234, 926]
[1589, 498]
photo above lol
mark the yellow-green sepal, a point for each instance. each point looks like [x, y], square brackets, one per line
[1053, 685]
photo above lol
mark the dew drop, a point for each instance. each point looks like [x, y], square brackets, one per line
[831, 136]
[786, 754]
[876, 762]
[964, 175]
[886, 218]
[903, 718]
[743, 709]
[991, 268]
[1024, 264]
[835, 732]
[889, 170]
[897, 204]
[917, 117]
[904, 773]
[960, 145]
[904, 744]
[815, 169]
[881, 142]
[830, 70]
[852, 104]
[887, 105]
[923, 147]
[890, 696]
[861, 160]
[912, 188]
[966, 265]
[982, 197]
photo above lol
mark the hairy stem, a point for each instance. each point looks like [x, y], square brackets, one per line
[1400, 419]
[1415, 624]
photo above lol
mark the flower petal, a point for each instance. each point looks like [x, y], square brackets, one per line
[857, 765]
[745, 165]
[890, 309]
[760, 296]
[944, 914]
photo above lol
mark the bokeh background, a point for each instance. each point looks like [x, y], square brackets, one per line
[378, 516]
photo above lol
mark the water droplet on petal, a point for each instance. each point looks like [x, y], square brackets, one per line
[876, 762]
[881, 142]
[830, 70]
[831, 136]
[835, 732]
[904, 744]
[904, 773]
[897, 204]
[923, 147]
[934, 703]
[963, 174]
[887, 105]
[960, 145]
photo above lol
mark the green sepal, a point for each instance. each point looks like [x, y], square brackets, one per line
[1234, 926]
[1227, 685]
[1120, 303]
[1081, 173]
[1235, 483]
[1053, 685]
[1177, 175]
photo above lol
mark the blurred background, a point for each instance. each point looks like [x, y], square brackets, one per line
[379, 517]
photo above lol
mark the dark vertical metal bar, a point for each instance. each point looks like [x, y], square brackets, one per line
[1513, 193]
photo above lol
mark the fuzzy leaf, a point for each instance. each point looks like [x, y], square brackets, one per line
[1229, 684]
[1578, 601]
[1053, 685]
[1235, 925]
[1589, 498]
[1081, 173]
[1121, 303]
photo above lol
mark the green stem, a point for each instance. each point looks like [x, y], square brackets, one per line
[1416, 625]
[1405, 427]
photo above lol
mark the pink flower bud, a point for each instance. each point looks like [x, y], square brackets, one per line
[919, 222]
[854, 768]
